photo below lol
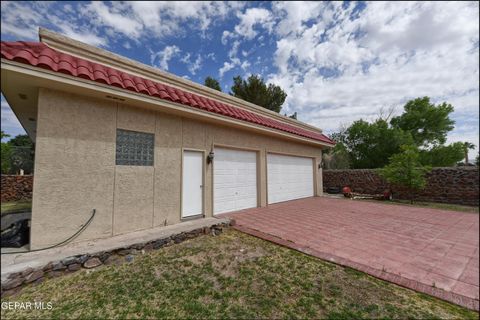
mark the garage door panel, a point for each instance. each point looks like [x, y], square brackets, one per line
[289, 177]
[235, 180]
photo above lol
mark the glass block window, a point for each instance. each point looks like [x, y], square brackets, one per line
[134, 148]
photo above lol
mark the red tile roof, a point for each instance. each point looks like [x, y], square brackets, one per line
[40, 55]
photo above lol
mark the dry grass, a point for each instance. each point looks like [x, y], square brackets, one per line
[229, 276]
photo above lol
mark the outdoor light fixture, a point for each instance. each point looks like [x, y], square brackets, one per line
[320, 164]
[210, 157]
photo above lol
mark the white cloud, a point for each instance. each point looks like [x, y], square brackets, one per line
[164, 56]
[250, 19]
[227, 66]
[293, 14]
[163, 18]
[120, 20]
[245, 64]
[225, 36]
[10, 123]
[337, 69]
[192, 66]
[83, 36]
[212, 56]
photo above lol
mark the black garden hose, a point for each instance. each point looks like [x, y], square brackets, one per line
[83, 227]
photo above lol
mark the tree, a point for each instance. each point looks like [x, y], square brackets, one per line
[467, 146]
[212, 83]
[405, 170]
[5, 153]
[336, 157]
[371, 144]
[427, 123]
[442, 156]
[255, 90]
[22, 154]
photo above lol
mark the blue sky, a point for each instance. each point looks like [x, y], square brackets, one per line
[337, 61]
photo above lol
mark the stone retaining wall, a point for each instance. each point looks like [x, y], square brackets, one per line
[455, 185]
[16, 188]
[15, 281]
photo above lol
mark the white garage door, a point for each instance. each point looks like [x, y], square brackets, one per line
[234, 180]
[289, 177]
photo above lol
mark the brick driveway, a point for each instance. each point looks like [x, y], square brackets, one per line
[424, 249]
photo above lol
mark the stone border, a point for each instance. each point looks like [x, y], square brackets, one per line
[451, 297]
[16, 281]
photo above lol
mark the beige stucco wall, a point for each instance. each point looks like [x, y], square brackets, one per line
[75, 167]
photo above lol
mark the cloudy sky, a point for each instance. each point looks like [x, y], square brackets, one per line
[338, 62]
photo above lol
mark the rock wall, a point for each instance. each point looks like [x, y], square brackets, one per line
[16, 188]
[456, 185]
[12, 283]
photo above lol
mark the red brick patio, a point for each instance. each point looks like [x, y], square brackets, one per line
[428, 250]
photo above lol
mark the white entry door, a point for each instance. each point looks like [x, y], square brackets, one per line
[289, 177]
[234, 180]
[192, 182]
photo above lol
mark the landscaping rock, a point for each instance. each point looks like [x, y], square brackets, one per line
[48, 267]
[92, 263]
[58, 266]
[83, 258]
[34, 276]
[26, 272]
[70, 260]
[12, 284]
[74, 266]
[148, 247]
[123, 252]
[103, 256]
[160, 243]
[15, 275]
[179, 237]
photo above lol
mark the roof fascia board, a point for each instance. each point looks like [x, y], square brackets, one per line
[82, 50]
[138, 98]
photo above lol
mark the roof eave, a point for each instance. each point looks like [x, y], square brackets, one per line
[57, 80]
[85, 51]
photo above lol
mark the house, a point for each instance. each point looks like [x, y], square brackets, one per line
[143, 147]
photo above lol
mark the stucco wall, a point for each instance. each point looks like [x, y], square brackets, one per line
[76, 172]
[74, 167]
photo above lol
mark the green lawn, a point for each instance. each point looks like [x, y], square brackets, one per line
[434, 205]
[229, 276]
[12, 206]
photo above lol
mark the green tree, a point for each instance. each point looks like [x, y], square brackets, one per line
[212, 83]
[477, 160]
[405, 170]
[5, 153]
[371, 144]
[22, 154]
[427, 123]
[442, 156]
[336, 157]
[467, 146]
[292, 116]
[255, 90]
